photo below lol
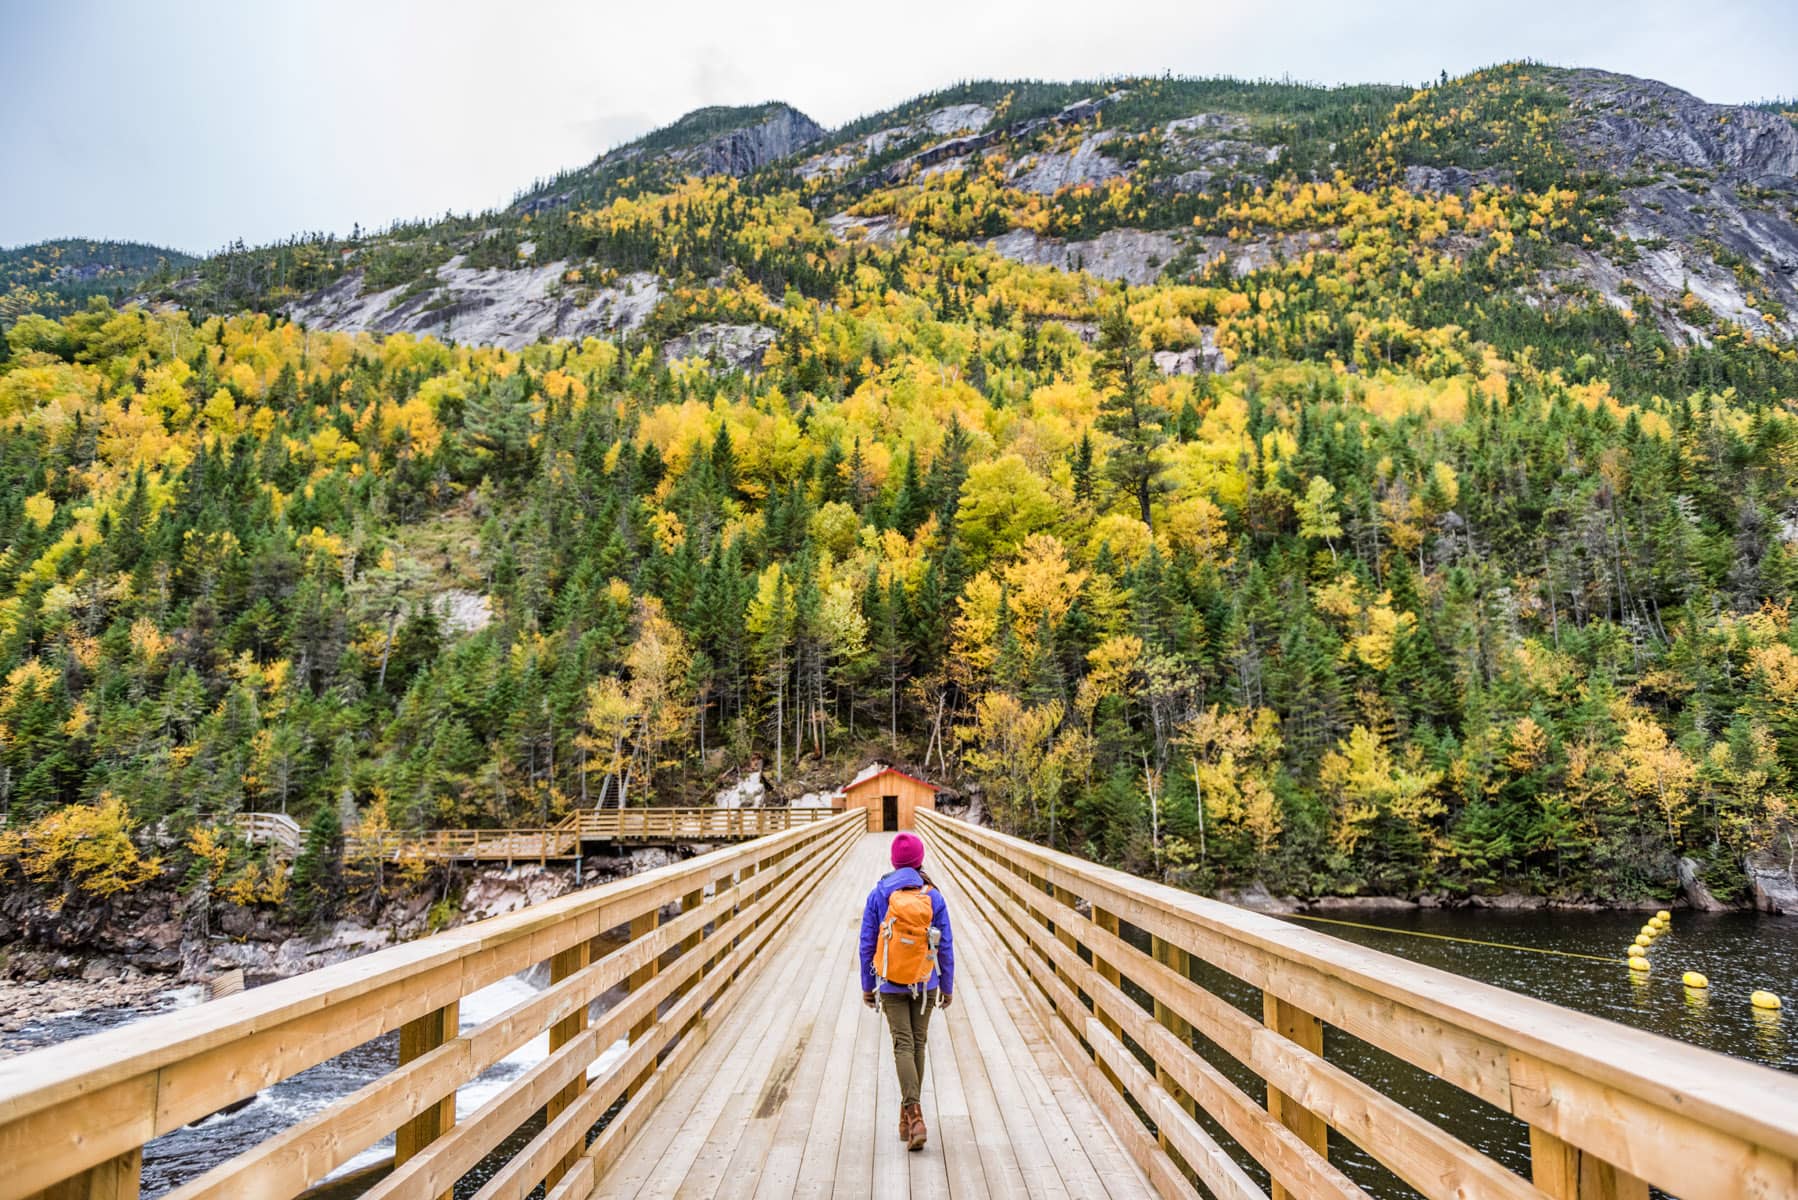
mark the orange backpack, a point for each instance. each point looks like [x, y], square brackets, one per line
[906, 951]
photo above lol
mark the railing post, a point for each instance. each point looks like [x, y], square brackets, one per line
[688, 944]
[1066, 937]
[560, 1034]
[641, 927]
[418, 1038]
[1294, 1023]
[1566, 1172]
[115, 1179]
[1176, 959]
[1108, 921]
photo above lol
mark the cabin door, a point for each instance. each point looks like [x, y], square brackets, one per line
[889, 814]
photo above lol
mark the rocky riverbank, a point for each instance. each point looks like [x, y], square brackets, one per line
[69, 953]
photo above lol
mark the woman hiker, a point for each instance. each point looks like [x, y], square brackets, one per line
[908, 968]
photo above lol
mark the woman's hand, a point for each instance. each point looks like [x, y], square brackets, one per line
[868, 999]
[943, 999]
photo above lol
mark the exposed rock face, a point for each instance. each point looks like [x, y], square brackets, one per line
[1212, 142]
[1691, 884]
[1135, 256]
[1700, 173]
[955, 118]
[1202, 359]
[740, 152]
[1622, 122]
[1770, 874]
[747, 792]
[882, 231]
[1086, 163]
[490, 307]
[463, 612]
[740, 346]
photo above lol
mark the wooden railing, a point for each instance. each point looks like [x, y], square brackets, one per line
[276, 829]
[74, 1118]
[563, 840]
[1609, 1110]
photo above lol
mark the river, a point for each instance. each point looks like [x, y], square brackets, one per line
[1738, 952]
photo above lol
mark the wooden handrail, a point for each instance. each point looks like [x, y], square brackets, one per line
[278, 829]
[1610, 1110]
[563, 839]
[75, 1117]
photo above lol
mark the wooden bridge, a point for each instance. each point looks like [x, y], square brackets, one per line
[583, 831]
[1091, 1052]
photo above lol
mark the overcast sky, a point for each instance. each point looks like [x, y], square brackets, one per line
[189, 124]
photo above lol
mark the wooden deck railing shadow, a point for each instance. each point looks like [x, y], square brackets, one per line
[74, 1118]
[1610, 1110]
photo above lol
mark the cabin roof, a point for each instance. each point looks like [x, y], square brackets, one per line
[862, 781]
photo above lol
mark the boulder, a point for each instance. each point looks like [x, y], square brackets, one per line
[1359, 904]
[1775, 891]
[1257, 898]
[1691, 885]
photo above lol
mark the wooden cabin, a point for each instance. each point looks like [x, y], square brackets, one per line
[890, 797]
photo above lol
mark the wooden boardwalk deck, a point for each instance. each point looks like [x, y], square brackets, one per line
[796, 1096]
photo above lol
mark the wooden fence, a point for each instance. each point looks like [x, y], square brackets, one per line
[563, 840]
[1609, 1110]
[276, 829]
[74, 1118]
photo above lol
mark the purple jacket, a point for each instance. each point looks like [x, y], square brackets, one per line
[944, 975]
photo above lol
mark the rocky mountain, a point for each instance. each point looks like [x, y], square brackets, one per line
[708, 141]
[1685, 209]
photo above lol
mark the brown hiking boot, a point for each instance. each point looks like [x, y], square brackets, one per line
[905, 1122]
[916, 1138]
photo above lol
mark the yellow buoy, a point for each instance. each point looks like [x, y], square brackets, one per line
[1638, 962]
[1642, 939]
[1695, 979]
[1650, 931]
[1657, 921]
[1664, 915]
[1764, 1000]
[1635, 951]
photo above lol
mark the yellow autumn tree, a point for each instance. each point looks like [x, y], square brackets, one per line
[1363, 782]
[87, 845]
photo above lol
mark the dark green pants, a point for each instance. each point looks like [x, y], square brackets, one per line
[908, 1019]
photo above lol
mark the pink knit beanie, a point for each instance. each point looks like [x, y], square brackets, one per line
[908, 850]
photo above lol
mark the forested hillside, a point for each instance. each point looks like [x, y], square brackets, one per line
[1386, 558]
[57, 277]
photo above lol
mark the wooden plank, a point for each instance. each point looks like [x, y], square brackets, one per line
[1461, 1030]
[1269, 1142]
[514, 1181]
[1079, 1140]
[813, 1113]
[632, 1119]
[954, 1128]
[995, 1011]
[853, 1178]
[652, 1163]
